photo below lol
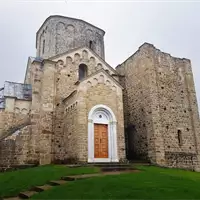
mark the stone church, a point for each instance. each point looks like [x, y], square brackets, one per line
[73, 107]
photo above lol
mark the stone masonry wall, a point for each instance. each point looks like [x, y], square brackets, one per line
[71, 138]
[15, 149]
[93, 91]
[42, 78]
[179, 111]
[59, 34]
[34, 76]
[137, 105]
[66, 79]
[47, 105]
[165, 119]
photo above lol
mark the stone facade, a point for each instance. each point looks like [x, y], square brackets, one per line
[59, 34]
[161, 108]
[148, 103]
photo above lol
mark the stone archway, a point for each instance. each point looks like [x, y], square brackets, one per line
[102, 121]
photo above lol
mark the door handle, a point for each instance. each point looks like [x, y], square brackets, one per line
[100, 140]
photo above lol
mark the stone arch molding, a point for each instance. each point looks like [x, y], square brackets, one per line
[86, 56]
[101, 79]
[102, 114]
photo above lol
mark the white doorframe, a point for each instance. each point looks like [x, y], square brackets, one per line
[102, 114]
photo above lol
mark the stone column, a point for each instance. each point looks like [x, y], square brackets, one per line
[46, 111]
[114, 152]
[90, 141]
[35, 78]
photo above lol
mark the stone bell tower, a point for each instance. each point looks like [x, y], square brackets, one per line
[60, 34]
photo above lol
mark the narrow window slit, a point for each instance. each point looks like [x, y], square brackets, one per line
[180, 142]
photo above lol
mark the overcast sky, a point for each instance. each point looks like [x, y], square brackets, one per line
[173, 27]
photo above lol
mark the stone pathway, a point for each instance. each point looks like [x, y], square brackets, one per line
[63, 180]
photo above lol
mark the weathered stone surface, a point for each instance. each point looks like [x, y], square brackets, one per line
[59, 34]
[27, 194]
[161, 114]
[151, 94]
[12, 198]
[42, 188]
[58, 182]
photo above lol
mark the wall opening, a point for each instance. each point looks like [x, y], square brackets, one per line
[91, 44]
[43, 46]
[107, 71]
[130, 133]
[82, 71]
[180, 142]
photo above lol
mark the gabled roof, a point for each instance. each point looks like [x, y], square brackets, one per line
[90, 50]
[97, 72]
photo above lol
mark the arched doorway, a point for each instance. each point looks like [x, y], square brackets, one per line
[102, 135]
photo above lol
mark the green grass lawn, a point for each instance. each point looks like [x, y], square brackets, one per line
[11, 183]
[150, 183]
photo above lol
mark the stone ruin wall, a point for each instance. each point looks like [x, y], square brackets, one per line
[16, 149]
[16, 139]
[15, 132]
[178, 110]
[137, 105]
[160, 105]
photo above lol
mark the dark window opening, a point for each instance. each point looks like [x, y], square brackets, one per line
[107, 71]
[179, 137]
[90, 45]
[43, 47]
[82, 71]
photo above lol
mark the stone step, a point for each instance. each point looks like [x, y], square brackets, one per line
[27, 194]
[57, 182]
[42, 188]
[12, 198]
[111, 165]
[97, 164]
[78, 177]
[113, 168]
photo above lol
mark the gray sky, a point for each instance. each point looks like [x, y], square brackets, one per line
[172, 27]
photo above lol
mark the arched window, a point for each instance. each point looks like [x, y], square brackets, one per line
[82, 71]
